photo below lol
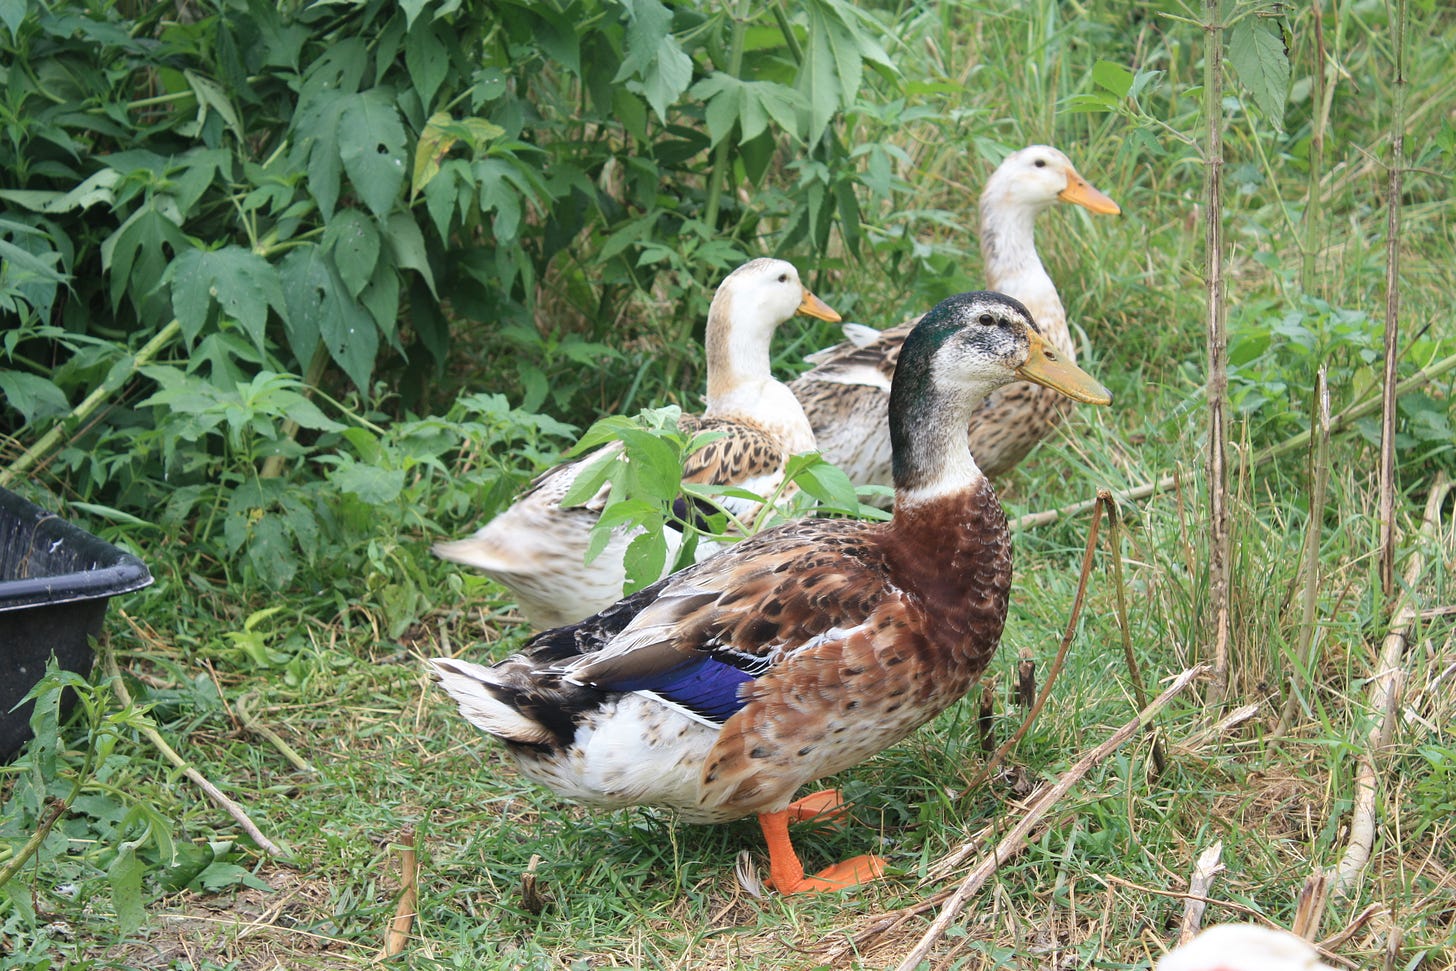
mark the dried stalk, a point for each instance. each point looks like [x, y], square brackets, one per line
[1217, 378]
[396, 936]
[1114, 530]
[1392, 316]
[1016, 840]
[238, 813]
[1319, 479]
[1386, 682]
[1208, 866]
[1067, 636]
[1312, 207]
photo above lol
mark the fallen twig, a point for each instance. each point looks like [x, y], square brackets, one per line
[1016, 840]
[396, 936]
[1208, 866]
[253, 724]
[237, 812]
[1386, 683]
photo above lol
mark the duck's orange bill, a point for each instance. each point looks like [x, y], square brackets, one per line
[814, 307]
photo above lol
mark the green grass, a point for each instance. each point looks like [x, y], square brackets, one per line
[1098, 888]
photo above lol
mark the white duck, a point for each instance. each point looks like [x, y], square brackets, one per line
[537, 548]
[847, 393]
[1243, 947]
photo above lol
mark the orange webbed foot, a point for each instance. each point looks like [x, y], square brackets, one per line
[786, 873]
[826, 806]
[841, 876]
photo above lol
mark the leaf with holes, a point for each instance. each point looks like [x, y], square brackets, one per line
[371, 146]
[353, 240]
[320, 309]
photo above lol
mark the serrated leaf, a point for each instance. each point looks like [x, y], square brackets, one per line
[243, 283]
[372, 148]
[32, 395]
[1256, 50]
[321, 310]
[353, 239]
[137, 254]
[644, 560]
[1113, 77]
[373, 485]
[654, 56]
[818, 82]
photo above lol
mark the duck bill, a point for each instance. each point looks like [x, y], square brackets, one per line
[1048, 367]
[812, 306]
[1084, 194]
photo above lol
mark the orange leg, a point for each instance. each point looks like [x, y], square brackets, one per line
[825, 806]
[786, 873]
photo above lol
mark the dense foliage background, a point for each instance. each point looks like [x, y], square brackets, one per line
[290, 289]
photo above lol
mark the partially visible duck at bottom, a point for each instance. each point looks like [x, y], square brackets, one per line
[721, 690]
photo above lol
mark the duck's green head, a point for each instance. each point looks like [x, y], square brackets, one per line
[982, 340]
[965, 348]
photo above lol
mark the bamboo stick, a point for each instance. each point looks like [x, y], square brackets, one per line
[1392, 317]
[1217, 377]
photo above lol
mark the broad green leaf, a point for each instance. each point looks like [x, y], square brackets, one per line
[372, 485]
[412, 10]
[372, 148]
[125, 874]
[1113, 77]
[136, 255]
[426, 59]
[243, 283]
[644, 560]
[320, 309]
[212, 95]
[32, 395]
[321, 141]
[95, 189]
[12, 13]
[353, 240]
[408, 245]
[819, 79]
[654, 56]
[1256, 50]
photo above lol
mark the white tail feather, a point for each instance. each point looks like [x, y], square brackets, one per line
[471, 685]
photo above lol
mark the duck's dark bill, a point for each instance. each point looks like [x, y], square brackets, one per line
[1048, 367]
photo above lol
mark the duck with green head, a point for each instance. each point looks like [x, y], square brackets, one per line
[722, 690]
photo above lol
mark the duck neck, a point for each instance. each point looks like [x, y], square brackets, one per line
[738, 353]
[1013, 266]
[932, 455]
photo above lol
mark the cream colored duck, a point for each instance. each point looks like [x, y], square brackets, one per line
[847, 393]
[721, 690]
[537, 548]
[1243, 947]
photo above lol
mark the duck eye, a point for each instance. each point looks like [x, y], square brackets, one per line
[1040, 163]
[783, 278]
[987, 320]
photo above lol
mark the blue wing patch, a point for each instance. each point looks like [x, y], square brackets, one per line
[706, 687]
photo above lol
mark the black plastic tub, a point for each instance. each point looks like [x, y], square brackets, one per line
[55, 579]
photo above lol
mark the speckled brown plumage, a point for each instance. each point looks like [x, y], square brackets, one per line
[801, 651]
